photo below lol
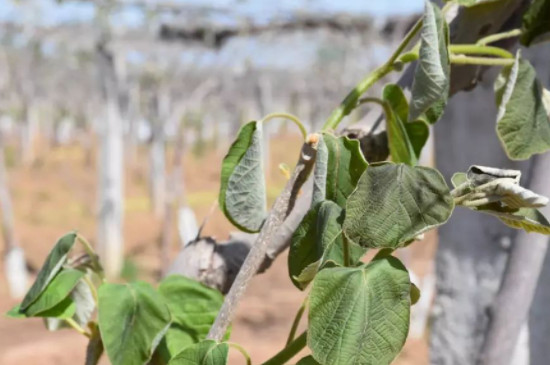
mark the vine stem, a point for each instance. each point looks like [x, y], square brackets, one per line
[290, 117]
[480, 50]
[242, 350]
[93, 256]
[350, 101]
[499, 36]
[92, 287]
[297, 319]
[481, 61]
[289, 351]
[71, 322]
[281, 209]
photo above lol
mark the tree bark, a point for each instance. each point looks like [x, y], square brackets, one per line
[14, 258]
[511, 305]
[110, 243]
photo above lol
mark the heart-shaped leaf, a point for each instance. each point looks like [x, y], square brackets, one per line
[206, 352]
[242, 194]
[132, 321]
[523, 123]
[194, 308]
[345, 166]
[536, 22]
[55, 260]
[317, 240]
[430, 88]
[395, 203]
[359, 315]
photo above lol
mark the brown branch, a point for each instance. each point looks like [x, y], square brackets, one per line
[281, 208]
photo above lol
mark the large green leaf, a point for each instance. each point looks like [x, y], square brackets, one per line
[317, 240]
[207, 352]
[430, 88]
[132, 321]
[401, 147]
[55, 260]
[242, 194]
[59, 289]
[359, 315]
[536, 22]
[345, 166]
[523, 123]
[193, 307]
[395, 203]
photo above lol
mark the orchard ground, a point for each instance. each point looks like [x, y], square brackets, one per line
[58, 193]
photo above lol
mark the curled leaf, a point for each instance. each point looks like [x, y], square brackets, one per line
[430, 87]
[242, 195]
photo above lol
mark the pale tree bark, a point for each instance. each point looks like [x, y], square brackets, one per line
[473, 248]
[14, 258]
[110, 243]
[29, 124]
[512, 307]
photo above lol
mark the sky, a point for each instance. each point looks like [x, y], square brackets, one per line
[49, 12]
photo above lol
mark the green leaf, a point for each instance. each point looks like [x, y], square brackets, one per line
[243, 194]
[15, 312]
[523, 123]
[55, 260]
[418, 133]
[194, 308]
[528, 219]
[415, 294]
[401, 147]
[308, 360]
[207, 352]
[318, 240]
[536, 22]
[62, 310]
[132, 321]
[320, 173]
[59, 289]
[395, 203]
[345, 166]
[430, 88]
[359, 315]
[458, 179]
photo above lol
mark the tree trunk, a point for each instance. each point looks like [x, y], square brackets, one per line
[111, 177]
[28, 131]
[513, 302]
[157, 154]
[14, 258]
[473, 247]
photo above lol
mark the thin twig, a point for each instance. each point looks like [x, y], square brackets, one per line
[281, 208]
